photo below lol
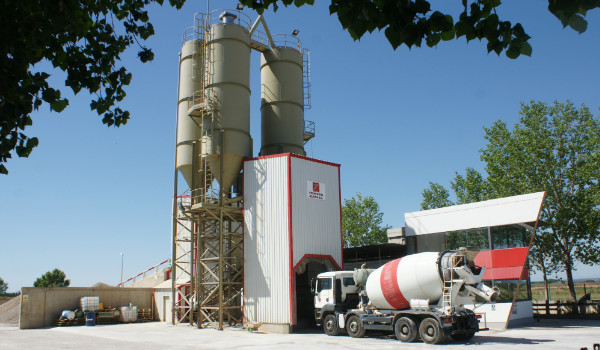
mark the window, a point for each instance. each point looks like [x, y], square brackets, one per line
[510, 236]
[474, 238]
[324, 284]
[508, 288]
[348, 281]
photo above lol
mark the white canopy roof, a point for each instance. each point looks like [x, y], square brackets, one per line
[496, 212]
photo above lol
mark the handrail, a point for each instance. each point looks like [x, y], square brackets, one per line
[132, 279]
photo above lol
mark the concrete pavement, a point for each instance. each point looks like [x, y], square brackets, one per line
[547, 334]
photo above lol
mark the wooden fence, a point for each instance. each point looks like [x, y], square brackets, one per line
[553, 308]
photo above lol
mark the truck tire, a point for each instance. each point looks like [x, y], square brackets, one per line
[354, 327]
[330, 325]
[405, 330]
[430, 331]
[463, 336]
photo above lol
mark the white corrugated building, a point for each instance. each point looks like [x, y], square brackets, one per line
[292, 232]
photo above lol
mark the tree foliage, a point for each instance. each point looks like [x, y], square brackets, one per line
[436, 196]
[410, 22]
[54, 278]
[554, 148]
[82, 38]
[362, 222]
[3, 286]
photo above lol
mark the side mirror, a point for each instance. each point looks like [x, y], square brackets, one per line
[313, 285]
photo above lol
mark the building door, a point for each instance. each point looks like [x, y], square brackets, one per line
[167, 315]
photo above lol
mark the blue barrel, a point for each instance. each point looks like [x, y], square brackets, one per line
[90, 318]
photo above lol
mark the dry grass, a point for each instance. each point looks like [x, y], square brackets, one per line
[560, 291]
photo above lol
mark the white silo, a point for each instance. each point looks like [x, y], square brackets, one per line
[282, 100]
[191, 70]
[227, 133]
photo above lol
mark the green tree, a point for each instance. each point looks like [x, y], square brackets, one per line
[362, 222]
[468, 188]
[82, 38]
[472, 187]
[554, 148]
[410, 22]
[3, 286]
[54, 278]
[436, 196]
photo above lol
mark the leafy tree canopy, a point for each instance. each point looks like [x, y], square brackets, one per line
[3, 286]
[410, 22]
[436, 196]
[362, 222]
[554, 148]
[83, 38]
[54, 278]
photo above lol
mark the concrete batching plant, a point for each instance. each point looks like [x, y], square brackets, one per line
[212, 224]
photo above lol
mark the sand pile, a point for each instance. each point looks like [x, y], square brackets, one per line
[101, 285]
[9, 312]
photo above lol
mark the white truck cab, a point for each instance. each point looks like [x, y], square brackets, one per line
[335, 291]
[324, 290]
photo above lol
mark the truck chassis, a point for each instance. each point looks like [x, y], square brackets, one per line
[432, 327]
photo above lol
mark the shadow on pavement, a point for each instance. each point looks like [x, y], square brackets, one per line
[503, 340]
[562, 323]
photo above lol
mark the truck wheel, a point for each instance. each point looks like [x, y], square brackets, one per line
[431, 331]
[330, 325]
[354, 327]
[463, 336]
[405, 330]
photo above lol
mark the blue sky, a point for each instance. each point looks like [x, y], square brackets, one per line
[394, 120]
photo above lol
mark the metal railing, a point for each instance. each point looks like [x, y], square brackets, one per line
[287, 40]
[241, 18]
[145, 273]
[306, 78]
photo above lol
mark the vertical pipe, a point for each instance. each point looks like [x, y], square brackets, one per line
[192, 234]
[199, 278]
[174, 234]
[221, 232]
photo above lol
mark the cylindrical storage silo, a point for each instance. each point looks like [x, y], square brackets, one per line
[191, 68]
[282, 102]
[228, 133]
[416, 276]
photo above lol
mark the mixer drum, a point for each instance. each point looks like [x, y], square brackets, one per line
[416, 276]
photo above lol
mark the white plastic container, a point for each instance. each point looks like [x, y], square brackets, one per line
[90, 304]
[128, 314]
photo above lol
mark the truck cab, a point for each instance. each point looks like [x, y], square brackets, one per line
[334, 291]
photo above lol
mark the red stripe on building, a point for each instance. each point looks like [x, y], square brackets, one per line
[389, 286]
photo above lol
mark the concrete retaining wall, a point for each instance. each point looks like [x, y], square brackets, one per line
[41, 307]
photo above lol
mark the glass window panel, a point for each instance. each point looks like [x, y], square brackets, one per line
[508, 288]
[474, 238]
[510, 236]
[434, 242]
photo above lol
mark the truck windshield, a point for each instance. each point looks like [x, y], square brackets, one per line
[324, 284]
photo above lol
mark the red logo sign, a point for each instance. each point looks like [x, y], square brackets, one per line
[316, 187]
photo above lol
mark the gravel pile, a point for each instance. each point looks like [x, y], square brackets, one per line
[9, 312]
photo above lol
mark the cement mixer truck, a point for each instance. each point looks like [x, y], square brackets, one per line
[420, 296]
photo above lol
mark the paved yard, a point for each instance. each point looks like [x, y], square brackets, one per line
[547, 334]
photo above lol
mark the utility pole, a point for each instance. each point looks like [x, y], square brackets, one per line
[122, 254]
